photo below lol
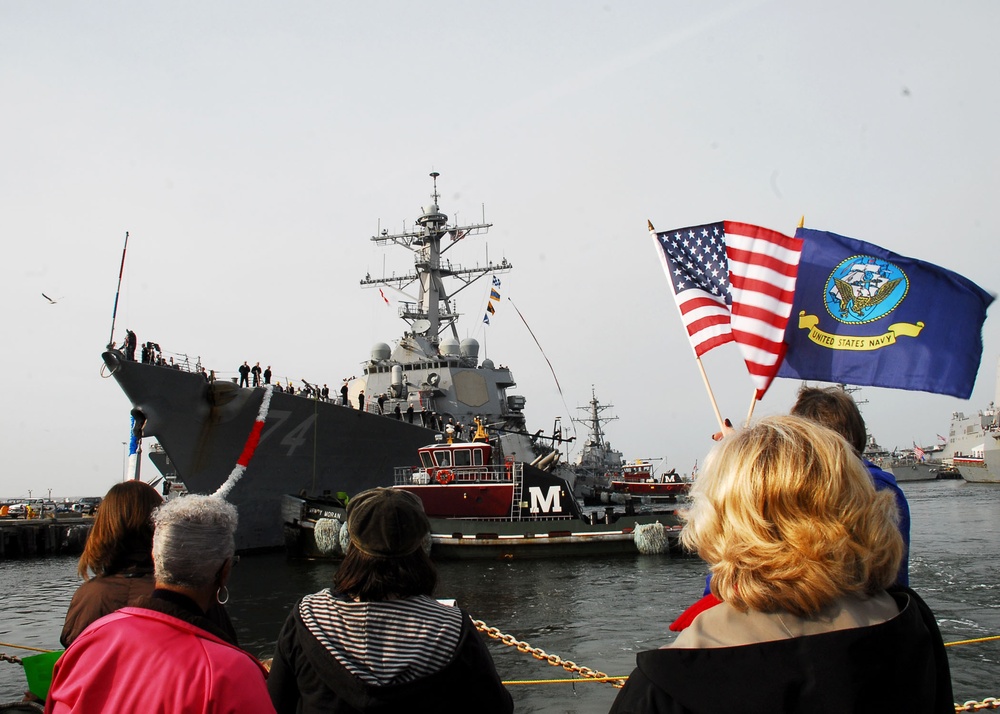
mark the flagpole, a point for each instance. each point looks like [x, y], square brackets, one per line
[114, 313]
[701, 367]
[753, 405]
[711, 395]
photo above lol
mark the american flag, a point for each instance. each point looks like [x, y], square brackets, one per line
[734, 282]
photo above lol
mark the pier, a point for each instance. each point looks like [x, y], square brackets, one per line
[41, 537]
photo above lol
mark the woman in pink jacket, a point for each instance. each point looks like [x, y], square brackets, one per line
[164, 654]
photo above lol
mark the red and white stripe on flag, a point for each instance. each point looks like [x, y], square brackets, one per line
[763, 265]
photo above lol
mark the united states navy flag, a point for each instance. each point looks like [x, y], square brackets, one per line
[864, 315]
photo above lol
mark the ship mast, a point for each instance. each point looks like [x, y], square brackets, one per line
[596, 422]
[433, 312]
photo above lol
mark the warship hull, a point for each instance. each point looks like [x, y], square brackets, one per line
[306, 445]
[914, 471]
[980, 470]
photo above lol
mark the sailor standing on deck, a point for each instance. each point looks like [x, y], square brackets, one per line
[129, 345]
[244, 374]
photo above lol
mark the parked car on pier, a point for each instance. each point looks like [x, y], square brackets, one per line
[38, 508]
[87, 505]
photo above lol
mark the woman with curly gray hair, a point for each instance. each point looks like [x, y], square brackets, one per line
[163, 653]
[801, 549]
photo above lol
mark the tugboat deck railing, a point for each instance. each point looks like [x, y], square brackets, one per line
[444, 475]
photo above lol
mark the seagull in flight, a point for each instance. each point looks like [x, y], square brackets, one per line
[51, 301]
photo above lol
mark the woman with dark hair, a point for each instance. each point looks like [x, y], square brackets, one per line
[117, 560]
[378, 642]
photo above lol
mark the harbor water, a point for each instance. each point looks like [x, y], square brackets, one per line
[596, 612]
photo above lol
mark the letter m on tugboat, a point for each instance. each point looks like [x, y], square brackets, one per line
[548, 503]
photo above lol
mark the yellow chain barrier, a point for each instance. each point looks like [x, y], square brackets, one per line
[555, 660]
[972, 642]
[974, 706]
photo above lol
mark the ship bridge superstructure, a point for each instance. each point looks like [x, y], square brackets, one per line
[430, 371]
[433, 313]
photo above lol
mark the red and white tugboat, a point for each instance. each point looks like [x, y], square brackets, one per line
[485, 504]
[638, 480]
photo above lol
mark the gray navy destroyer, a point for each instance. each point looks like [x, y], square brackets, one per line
[314, 446]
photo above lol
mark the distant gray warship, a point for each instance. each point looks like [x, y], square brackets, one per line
[905, 465]
[974, 442]
[597, 460]
[313, 446]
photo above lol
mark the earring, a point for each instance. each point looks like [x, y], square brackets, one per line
[219, 595]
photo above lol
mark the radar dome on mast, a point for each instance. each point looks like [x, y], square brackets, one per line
[432, 214]
[470, 348]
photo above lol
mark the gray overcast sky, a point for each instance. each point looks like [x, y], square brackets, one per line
[252, 148]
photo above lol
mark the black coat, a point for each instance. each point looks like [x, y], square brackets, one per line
[896, 666]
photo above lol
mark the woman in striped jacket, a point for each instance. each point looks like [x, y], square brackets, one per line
[378, 641]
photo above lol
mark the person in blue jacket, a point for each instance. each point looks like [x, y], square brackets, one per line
[835, 408]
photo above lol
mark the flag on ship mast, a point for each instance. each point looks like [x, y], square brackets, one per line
[494, 296]
[134, 447]
[867, 316]
[733, 282]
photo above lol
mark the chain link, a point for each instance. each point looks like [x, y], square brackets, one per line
[540, 654]
[974, 706]
[9, 658]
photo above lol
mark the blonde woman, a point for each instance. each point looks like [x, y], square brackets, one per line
[801, 549]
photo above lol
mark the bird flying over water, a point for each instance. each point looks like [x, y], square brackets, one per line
[51, 301]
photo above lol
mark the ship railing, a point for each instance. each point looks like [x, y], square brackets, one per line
[417, 475]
